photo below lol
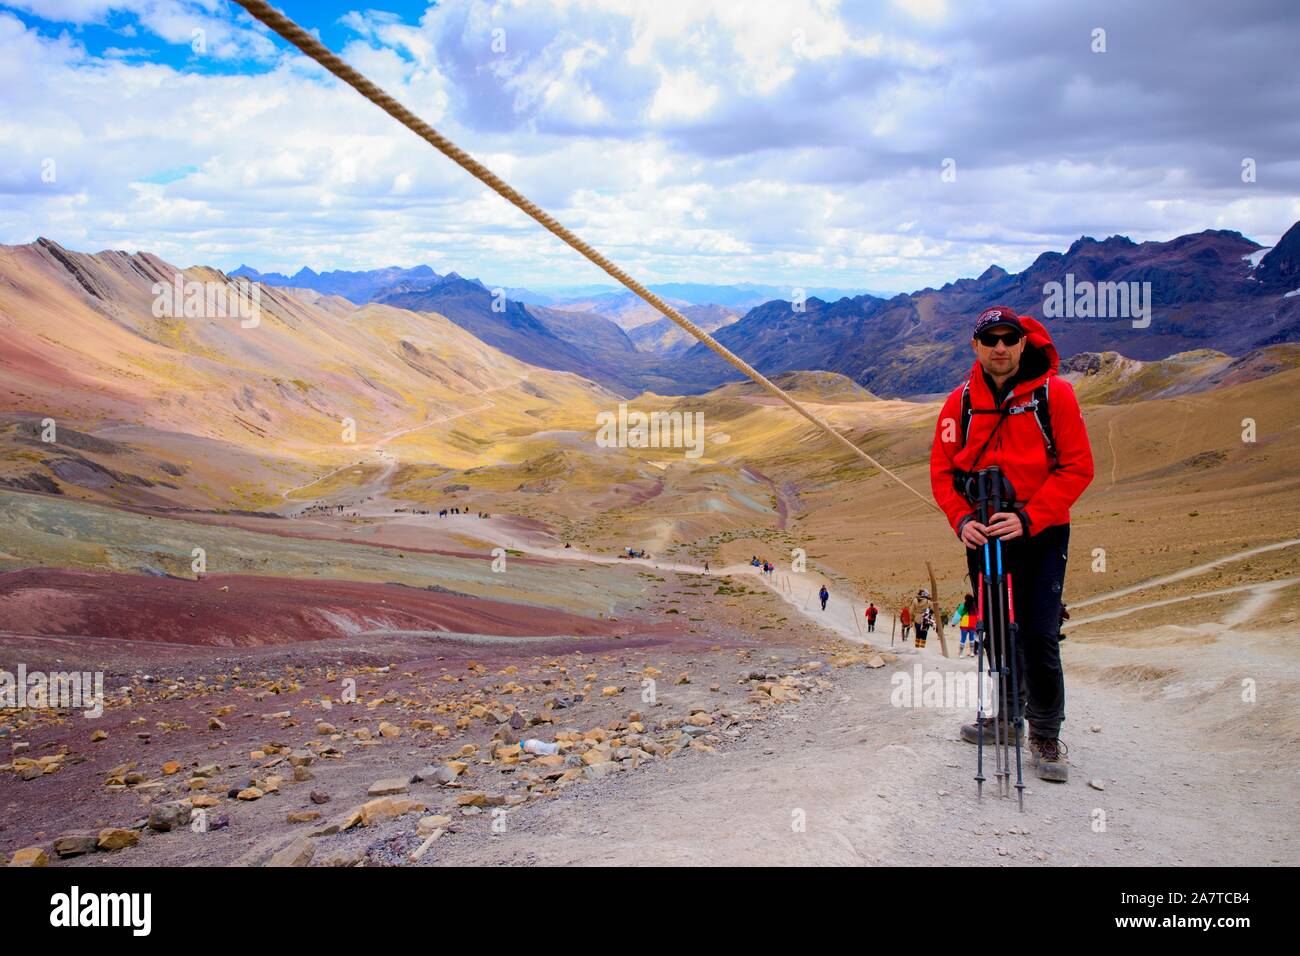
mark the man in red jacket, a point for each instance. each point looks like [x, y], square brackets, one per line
[1015, 413]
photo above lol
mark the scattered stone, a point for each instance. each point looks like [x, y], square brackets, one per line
[76, 844]
[97, 736]
[318, 797]
[297, 853]
[30, 856]
[428, 824]
[388, 786]
[168, 816]
[303, 816]
[117, 838]
[250, 793]
[385, 808]
[1096, 782]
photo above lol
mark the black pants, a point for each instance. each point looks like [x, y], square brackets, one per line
[1037, 567]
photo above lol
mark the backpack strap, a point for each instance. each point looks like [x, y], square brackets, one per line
[965, 412]
[1044, 418]
[1038, 404]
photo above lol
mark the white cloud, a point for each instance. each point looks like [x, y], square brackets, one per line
[688, 141]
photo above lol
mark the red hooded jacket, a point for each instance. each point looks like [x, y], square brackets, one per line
[1018, 448]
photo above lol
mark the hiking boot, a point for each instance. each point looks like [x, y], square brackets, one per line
[971, 732]
[1049, 758]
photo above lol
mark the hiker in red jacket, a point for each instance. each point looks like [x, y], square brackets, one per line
[1015, 413]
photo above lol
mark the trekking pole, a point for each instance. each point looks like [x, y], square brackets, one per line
[1014, 630]
[991, 629]
[1003, 672]
[997, 489]
[979, 718]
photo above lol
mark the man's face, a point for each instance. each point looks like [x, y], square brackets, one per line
[999, 359]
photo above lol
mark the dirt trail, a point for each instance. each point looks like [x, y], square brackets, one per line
[855, 778]
[1186, 572]
[841, 611]
[1262, 594]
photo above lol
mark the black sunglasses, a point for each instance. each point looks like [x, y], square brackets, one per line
[991, 339]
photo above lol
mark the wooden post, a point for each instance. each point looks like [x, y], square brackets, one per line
[938, 614]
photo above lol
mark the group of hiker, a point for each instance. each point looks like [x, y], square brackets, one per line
[766, 566]
[445, 512]
[917, 618]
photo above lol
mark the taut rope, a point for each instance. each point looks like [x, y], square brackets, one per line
[313, 48]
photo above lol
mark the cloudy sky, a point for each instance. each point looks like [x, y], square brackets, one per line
[861, 145]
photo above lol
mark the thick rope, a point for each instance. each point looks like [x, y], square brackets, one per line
[313, 48]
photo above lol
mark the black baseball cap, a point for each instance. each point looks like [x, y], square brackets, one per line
[998, 315]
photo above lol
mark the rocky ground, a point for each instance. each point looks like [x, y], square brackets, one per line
[715, 719]
[355, 751]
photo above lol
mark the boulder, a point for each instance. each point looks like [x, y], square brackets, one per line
[168, 816]
[297, 853]
[117, 838]
[389, 786]
[76, 844]
[30, 856]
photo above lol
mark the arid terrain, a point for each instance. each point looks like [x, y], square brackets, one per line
[336, 569]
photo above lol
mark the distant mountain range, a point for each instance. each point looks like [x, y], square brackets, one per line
[363, 287]
[360, 287]
[1209, 290]
[1214, 289]
[572, 341]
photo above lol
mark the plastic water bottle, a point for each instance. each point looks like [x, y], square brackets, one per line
[540, 747]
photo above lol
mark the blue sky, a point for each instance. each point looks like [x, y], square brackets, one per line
[107, 29]
[887, 145]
